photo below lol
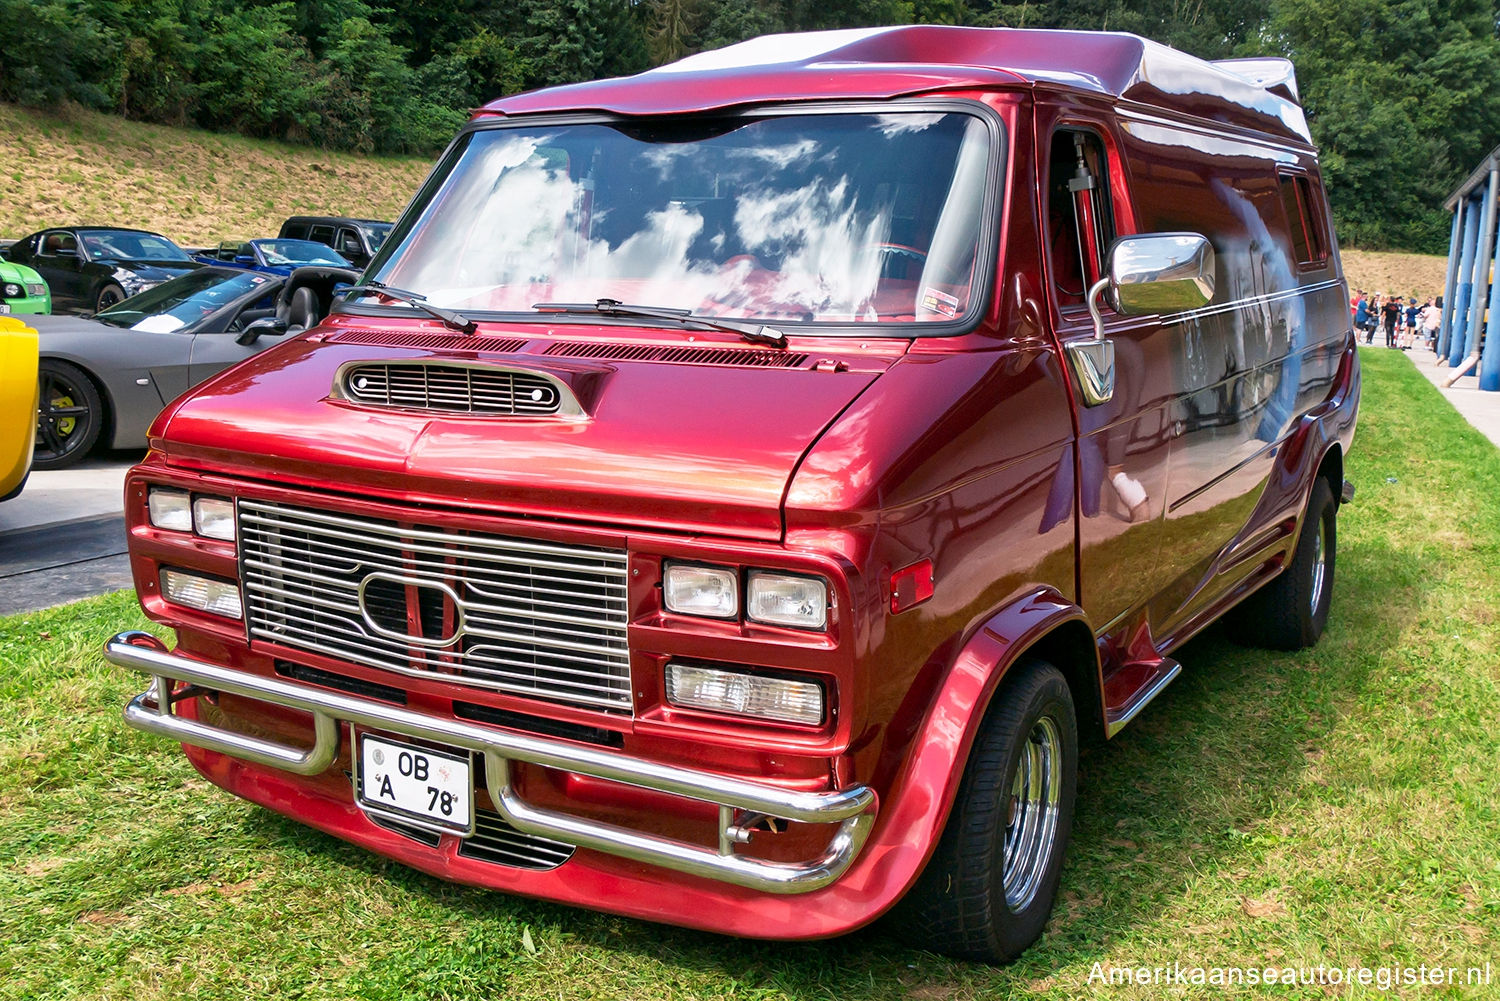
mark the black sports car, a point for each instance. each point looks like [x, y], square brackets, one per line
[90, 268]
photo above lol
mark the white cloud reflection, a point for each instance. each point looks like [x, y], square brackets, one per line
[765, 230]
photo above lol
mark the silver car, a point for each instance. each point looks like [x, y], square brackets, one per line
[106, 376]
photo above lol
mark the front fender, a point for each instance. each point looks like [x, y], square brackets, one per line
[916, 803]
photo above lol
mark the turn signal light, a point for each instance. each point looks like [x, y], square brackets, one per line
[699, 686]
[221, 597]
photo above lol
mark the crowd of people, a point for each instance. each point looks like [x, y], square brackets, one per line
[1404, 322]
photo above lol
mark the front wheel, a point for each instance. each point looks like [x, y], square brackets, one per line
[69, 415]
[110, 295]
[990, 885]
[1290, 612]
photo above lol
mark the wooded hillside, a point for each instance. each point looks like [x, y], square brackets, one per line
[1403, 95]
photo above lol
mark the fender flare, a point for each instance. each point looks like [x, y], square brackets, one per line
[920, 795]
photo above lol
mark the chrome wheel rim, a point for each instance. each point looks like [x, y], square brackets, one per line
[1319, 569]
[1031, 821]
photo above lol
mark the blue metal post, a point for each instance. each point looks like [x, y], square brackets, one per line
[1441, 347]
[1465, 284]
[1489, 361]
[1482, 255]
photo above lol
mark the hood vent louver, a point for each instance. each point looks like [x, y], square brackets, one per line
[677, 355]
[455, 388]
[435, 342]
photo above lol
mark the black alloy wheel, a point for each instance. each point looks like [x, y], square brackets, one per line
[110, 295]
[69, 415]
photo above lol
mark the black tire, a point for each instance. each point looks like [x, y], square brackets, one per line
[69, 417]
[1290, 612]
[968, 902]
[110, 295]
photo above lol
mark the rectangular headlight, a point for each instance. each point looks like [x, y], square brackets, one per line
[781, 599]
[696, 590]
[170, 509]
[206, 594]
[213, 518]
[699, 686]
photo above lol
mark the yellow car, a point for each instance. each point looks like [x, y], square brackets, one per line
[18, 401]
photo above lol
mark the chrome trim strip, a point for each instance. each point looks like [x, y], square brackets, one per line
[852, 809]
[1248, 301]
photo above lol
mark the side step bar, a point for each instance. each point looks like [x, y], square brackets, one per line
[739, 801]
[1116, 718]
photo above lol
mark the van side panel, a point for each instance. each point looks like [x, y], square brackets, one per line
[1244, 368]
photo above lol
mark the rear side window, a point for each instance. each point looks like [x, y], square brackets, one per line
[322, 234]
[295, 231]
[1305, 222]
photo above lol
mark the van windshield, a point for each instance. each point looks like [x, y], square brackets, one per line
[846, 218]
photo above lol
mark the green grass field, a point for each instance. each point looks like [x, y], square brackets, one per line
[1336, 806]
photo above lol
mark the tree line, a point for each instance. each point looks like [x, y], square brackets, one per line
[1402, 95]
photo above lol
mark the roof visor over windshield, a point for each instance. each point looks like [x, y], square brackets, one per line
[831, 218]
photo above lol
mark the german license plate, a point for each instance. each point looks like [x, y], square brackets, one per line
[431, 788]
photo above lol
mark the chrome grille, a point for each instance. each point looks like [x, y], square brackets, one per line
[535, 618]
[497, 842]
[451, 388]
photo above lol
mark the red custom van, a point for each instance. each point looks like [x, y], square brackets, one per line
[734, 491]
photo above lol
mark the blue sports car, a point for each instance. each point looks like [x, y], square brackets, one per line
[273, 257]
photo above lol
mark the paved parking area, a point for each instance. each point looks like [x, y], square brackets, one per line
[63, 538]
[1479, 408]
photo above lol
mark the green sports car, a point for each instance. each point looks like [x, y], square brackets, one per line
[22, 290]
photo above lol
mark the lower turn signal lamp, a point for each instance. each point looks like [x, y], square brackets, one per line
[740, 693]
[221, 597]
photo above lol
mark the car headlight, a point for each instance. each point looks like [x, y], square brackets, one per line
[213, 518]
[170, 509]
[36, 288]
[782, 599]
[179, 511]
[698, 590]
[13, 290]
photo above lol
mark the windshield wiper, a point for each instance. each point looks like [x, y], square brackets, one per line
[452, 320]
[757, 333]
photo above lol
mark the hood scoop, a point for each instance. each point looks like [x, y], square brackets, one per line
[677, 355]
[433, 342]
[456, 388]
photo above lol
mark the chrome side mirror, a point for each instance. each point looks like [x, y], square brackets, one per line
[1157, 273]
[1161, 273]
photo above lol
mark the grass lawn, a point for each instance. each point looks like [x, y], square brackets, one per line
[1336, 806]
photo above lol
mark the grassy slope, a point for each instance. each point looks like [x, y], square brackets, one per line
[195, 187]
[1419, 276]
[1335, 806]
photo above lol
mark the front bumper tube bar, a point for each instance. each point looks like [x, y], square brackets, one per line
[850, 808]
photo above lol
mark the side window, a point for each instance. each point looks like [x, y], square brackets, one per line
[349, 243]
[60, 245]
[1308, 244]
[1080, 218]
[294, 231]
[322, 234]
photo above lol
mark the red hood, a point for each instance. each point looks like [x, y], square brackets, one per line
[697, 448]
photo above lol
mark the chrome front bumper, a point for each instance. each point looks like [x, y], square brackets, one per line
[737, 800]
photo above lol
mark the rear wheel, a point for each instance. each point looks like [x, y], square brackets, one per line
[69, 415]
[1290, 612]
[989, 887]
